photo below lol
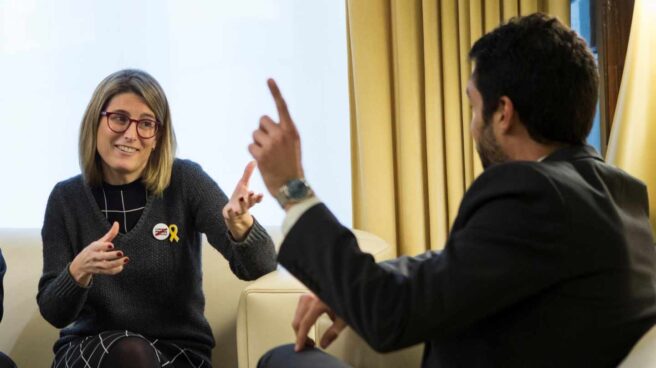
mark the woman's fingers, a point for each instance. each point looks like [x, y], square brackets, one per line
[233, 211]
[108, 256]
[243, 206]
[99, 246]
[231, 214]
[111, 267]
[254, 199]
[248, 171]
[101, 258]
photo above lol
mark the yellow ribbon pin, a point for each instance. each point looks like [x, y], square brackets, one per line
[174, 233]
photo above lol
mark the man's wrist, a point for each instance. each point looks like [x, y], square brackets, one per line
[293, 191]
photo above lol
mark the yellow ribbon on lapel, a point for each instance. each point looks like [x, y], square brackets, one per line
[174, 233]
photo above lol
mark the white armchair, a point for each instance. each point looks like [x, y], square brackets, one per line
[643, 354]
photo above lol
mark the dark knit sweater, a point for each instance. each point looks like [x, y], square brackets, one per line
[159, 293]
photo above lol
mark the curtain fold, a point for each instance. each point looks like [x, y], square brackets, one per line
[412, 153]
[633, 135]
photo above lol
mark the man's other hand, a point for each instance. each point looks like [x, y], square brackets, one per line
[308, 311]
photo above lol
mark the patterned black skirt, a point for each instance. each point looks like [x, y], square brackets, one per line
[89, 352]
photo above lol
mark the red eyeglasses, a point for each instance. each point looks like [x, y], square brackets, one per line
[119, 122]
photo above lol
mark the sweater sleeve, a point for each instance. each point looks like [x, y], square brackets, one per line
[60, 298]
[249, 259]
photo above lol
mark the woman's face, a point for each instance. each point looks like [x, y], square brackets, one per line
[124, 155]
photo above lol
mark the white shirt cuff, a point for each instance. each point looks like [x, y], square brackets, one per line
[296, 211]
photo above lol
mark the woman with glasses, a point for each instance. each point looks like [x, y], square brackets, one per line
[122, 241]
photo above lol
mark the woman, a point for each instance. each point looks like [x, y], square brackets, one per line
[122, 241]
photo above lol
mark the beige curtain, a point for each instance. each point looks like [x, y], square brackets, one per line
[412, 153]
[632, 144]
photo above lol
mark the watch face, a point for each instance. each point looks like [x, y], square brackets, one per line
[297, 189]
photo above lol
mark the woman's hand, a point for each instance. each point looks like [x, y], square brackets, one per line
[99, 257]
[235, 212]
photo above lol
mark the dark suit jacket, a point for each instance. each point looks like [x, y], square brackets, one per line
[548, 263]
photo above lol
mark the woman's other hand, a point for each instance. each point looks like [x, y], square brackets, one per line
[235, 212]
[99, 257]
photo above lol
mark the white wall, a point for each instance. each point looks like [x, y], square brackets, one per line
[212, 58]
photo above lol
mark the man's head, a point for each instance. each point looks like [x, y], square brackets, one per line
[535, 77]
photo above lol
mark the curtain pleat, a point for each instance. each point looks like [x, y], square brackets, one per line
[435, 163]
[631, 143]
[409, 127]
[372, 127]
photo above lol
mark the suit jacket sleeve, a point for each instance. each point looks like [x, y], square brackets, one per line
[505, 246]
[407, 265]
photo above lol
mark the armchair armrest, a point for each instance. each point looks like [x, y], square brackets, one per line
[266, 310]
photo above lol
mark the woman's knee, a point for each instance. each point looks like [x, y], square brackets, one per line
[6, 362]
[131, 352]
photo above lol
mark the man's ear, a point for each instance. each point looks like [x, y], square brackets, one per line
[505, 114]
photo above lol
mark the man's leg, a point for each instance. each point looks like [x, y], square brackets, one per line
[285, 357]
[6, 362]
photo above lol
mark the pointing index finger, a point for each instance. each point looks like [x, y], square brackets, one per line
[281, 105]
[248, 171]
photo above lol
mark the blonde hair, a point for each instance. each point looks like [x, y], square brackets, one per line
[157, 173]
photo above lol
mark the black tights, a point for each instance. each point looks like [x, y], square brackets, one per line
[131, 352]
[125, 349]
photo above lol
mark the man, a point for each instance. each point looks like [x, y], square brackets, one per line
[550, 261]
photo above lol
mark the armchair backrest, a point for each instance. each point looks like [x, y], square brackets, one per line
[643, 353]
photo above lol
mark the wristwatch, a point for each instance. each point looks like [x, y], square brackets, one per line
[294, 191]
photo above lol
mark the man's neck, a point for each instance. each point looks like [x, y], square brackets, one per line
[535, 151]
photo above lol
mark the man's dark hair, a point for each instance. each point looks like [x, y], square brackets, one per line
[546, 70]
